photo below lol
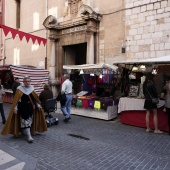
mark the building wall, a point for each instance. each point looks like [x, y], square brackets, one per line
[111, 32]
[147, 28]
[32, 15]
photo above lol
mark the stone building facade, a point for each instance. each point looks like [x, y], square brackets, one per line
[147, 28]
[86, 32]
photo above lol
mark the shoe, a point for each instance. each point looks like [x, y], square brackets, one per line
[158, 131]
[66, 120]
[148, 130]
[3, 122]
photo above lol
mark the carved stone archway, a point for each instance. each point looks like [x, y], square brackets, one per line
[84, 28]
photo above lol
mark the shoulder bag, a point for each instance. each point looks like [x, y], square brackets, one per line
[154, 100]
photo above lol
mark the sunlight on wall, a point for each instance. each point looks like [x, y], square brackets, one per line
[36, 20]
[35, 47]
[53, 11]
[16, 56]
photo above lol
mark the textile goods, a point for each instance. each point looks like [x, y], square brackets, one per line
[85, 103]
[79, 103]
[97, 105]
[91, 103]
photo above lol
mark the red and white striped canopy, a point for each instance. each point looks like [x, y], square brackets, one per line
[38, 76]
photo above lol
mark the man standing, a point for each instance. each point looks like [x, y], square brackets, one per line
[67, 90]
[26, 114]
[15, 85]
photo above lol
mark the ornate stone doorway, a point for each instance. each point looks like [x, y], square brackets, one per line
[73, 41]
[75, 54]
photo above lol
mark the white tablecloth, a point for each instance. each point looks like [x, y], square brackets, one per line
[126, 103]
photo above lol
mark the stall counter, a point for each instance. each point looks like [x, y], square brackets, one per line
[109, 114]
[132, 113]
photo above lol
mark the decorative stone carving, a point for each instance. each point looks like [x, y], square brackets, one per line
[74, 7]
[87, 13]
[50, 22]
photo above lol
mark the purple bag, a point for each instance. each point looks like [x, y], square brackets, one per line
[91, 104]
[105, 103]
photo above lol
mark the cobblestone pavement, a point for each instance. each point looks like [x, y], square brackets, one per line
[88, 144]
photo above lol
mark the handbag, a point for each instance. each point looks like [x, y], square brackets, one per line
[154, 100]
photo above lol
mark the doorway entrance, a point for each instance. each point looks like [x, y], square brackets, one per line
[75, 54]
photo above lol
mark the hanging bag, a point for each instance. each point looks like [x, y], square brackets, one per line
[154, 100]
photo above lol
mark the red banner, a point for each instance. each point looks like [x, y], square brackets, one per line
[21, 34]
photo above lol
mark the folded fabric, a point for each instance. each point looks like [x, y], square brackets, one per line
[85, 103]
[79, 103]
[105, 103]
[97, 105]
[91, 104]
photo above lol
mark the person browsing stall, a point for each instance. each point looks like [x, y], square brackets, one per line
[25, 114]
[149, 91]
[15, 85]
[67, 90]
[45, 95]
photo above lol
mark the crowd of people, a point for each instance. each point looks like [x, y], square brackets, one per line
[26, 115]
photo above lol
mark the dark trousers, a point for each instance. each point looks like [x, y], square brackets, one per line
[2, 112]
[168, 111]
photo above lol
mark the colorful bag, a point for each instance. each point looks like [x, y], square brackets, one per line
[105, 103]
[97, 105]
[91, 104]
[85, 103]
[79, 103]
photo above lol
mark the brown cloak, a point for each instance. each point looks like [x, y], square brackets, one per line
[12, 125]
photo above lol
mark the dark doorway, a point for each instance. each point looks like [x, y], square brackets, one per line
[75, 54]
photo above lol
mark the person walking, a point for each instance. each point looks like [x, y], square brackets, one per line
[44, 96]
[67, 90]
[15, 85]
[149, 91]
[1, 103]
[26, 114]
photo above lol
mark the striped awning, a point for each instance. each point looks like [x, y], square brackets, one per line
[38, 76]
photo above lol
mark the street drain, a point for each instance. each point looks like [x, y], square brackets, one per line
[78, 136]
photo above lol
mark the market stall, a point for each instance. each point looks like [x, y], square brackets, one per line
[93, 90]
[130, 107]
[39, 77]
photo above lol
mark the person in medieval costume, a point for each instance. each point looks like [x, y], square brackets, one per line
[26, 115]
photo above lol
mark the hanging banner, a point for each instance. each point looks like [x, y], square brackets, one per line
[21, 34]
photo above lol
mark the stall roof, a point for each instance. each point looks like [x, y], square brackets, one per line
[38, 76]
[156, 60]
[91, 66]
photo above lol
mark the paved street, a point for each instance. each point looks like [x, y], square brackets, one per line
[87, 144]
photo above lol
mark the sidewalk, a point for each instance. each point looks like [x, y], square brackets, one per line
[88, 144]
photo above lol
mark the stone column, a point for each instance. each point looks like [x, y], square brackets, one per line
[90, 48]
[52, 67]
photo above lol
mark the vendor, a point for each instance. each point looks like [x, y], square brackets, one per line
[108, 92]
